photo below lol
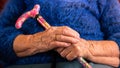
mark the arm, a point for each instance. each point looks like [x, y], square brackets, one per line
[105, 51]
[8, 32]
[108, 49]
[110, 23]
[95, 51]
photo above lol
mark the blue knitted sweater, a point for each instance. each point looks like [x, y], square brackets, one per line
[93, 19]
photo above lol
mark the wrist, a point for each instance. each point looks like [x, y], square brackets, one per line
[106, 51]
[22, 46]
[104, 48]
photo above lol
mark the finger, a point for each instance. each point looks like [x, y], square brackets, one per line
[59, 50]
[71, 56]
[65, 52]
[67, 31]
[57, 44]
[67, 39]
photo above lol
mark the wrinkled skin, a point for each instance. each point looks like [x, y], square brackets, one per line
[50, 39]
[79, 49]
[55, 37]
[68, 44]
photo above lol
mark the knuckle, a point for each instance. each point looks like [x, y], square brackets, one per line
[62, 55]
[59, 36]
[55, 43]
[65, 29]
[52, 43]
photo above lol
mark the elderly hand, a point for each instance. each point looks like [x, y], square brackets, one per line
[79, 49]
[95, 51]
[52, 38]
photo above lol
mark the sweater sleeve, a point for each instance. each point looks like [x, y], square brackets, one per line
[8, 32]
[110, 21]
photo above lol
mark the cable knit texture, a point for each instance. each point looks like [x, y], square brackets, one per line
[93, 19]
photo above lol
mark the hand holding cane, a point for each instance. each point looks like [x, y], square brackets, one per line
[34, 13]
